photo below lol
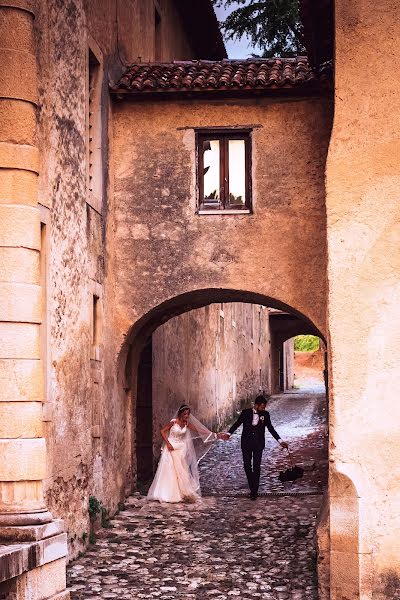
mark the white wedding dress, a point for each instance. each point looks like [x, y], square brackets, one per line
[177, 477]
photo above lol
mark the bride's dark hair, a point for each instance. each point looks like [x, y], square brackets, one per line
[182, 409]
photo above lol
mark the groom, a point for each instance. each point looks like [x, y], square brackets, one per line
[254, 421]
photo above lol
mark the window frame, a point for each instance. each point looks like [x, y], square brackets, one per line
[94, 126]
[224, 135]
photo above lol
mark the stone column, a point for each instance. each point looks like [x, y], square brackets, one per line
[22, 447]
[33, 566]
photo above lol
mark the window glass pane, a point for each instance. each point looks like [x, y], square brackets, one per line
[211, 172]
[237, 172]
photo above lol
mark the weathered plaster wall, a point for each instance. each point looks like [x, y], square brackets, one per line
[136, 30]
[84, 456]
[288, 352]
[278, 251]
[215, 359]
[363, 212]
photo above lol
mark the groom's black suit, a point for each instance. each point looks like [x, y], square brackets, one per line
[253, 443]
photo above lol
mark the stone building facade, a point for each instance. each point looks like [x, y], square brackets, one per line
[57, 60]
[102, 240]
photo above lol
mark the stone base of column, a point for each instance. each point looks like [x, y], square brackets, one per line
[30, 533]
[33, 562]
[21, 519]
[47, 582]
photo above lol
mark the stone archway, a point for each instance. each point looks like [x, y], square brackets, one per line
[134, 355]
[285, 326]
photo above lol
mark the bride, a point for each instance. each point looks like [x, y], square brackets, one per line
[177, 476]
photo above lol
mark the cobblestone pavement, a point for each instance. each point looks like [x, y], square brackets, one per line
[224, 546]
[300, 419]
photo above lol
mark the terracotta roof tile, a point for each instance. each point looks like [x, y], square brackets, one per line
[225, 75]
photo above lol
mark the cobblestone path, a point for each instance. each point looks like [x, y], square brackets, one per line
[300, 419]
[225, 546]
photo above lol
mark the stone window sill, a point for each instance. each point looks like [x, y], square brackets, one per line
[224, 212]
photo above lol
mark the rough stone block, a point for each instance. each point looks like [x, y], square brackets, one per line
[344, 517]
[19, 156]
[345, 576]
[19, 226]
[22, 460]
[30, 533]
[18, 77]
[44, 582]
[19, 340]
[20, 302]
[21, 420]
[20, 265]
[13, 560]
[21, 380]
[17, 122]
[27, 576]
[18, 497]
[50, 549]
[17, 26]
[18, 187]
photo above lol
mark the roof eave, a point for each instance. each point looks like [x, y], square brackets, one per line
[312, 89]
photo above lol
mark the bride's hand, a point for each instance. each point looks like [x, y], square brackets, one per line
[170, 447]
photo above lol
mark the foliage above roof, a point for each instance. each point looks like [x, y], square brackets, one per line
[272, 26]
[282, 27]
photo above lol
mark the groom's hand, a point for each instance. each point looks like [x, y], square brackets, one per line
[223, 436]
[284, 445]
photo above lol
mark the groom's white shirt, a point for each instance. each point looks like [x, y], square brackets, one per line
[256, 417]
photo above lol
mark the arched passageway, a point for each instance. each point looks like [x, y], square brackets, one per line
[218, 548]
[138, 352]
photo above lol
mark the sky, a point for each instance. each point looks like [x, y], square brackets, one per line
[235, 49]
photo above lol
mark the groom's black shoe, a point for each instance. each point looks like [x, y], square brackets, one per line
[253, 496]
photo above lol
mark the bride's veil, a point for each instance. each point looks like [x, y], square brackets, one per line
[198, 442]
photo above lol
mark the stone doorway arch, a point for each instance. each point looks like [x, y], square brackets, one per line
[135, 353]
[135, 356]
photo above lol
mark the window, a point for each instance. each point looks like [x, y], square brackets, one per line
[96, 321]
[224, 168]
[94, 131]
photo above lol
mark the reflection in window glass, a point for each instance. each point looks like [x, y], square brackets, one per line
[237, 174]
[211, 171]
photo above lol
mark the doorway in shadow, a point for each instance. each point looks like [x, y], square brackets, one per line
[144, 415]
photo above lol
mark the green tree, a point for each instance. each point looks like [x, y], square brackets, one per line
[272, 25]
[306, 343]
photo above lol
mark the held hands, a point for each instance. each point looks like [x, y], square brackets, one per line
[284, 445]
[223, 436]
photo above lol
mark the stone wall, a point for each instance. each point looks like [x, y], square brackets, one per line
[83, 456]
[363, 212]
[216, 359]
[167, 260]
[278, 251]
[288, 353]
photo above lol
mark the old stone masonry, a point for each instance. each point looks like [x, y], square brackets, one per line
[225, 546]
